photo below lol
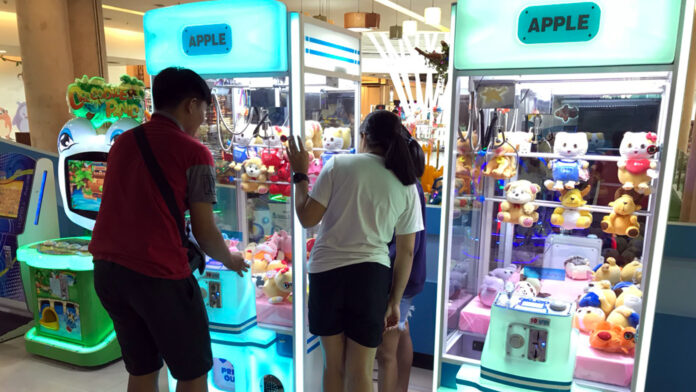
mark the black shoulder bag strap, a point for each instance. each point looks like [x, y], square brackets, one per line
[196, 261]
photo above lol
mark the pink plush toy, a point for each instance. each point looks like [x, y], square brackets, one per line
[314, 170]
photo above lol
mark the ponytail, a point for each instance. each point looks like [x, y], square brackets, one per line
[383, 129]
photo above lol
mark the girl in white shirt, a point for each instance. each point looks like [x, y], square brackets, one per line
[361, 200]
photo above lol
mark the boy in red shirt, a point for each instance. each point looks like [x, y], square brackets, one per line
[141, 270]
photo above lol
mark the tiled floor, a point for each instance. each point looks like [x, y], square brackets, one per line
[23, 372]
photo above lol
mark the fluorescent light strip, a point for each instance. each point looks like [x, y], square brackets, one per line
[410, 13]
[124, 10]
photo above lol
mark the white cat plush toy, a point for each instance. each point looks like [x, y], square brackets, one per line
[636, 166]
[569, 170]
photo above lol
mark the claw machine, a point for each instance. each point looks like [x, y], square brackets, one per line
[564, 121]
[254, 57]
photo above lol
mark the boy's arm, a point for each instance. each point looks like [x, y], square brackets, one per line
[209, 238]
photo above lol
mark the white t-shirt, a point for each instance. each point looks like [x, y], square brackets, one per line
[365, 204]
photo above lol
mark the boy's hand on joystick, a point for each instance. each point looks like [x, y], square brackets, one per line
[236, 263]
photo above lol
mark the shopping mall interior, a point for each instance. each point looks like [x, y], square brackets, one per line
[556, 198]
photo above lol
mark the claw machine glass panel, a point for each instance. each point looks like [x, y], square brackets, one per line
[552, 250]
[328, 85]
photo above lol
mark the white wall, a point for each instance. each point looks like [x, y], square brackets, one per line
[11, 92]
[115, 72]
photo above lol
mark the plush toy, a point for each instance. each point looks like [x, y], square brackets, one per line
[624, 316]
[313, 137]
[429, 176]
[578, 268]
[309, 246]
[528, 287]
[586, 318]
[254, 176]
[569, 170]
[502, 165]
[613, 338]
[240, 151]
[600, 295]
[466, 170]
[519, 208]
[608, 271]
[521, 141]
[629, 270]
[335, 139]
[276, 247]
[494, 283]
[628, 294]
[595, 141]
[636, 166]
[313, 171]
[278, 285]
[621, 221]
[626, 250]
[638, 276]
[569, 217]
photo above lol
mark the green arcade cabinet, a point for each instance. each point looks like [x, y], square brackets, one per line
[70, 323]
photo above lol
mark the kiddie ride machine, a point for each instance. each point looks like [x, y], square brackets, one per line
[269, 70]
[70, 323]
[563, 118]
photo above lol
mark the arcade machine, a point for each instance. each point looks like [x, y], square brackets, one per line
[70, 323]
[269, 70]
[564, 116]
[28, 213]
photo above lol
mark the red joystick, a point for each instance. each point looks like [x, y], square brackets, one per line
[604, 335]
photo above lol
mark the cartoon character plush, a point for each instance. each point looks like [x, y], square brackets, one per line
[494, 283]
[313, 171]
[240, 149]
[578, 268]
[5, 124]
[278, 285]
[595, 141]
[586, 318]
[429, 176]
[335, 139]
[519, 208]
[629, 294]
[624, 316]
[522, 141]
[628, 272]
[569, 170]
[621, 221]
[502, 166]
[21, 117]
[465, 169]
[528, 287]
[313, 137]
[636, 166]
[280, 176]
[608, 271]
[613, 338]
[600, 295]
[569, 217]
[254, 176]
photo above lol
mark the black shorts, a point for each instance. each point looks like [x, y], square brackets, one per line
[155, 319]
[352, 300]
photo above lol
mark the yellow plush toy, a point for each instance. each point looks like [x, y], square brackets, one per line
[503, 165]
[278, 285]
[608, 271]
[569, 217]
[313, 137]
[622, 221]
[519, 207]
[628, 272]
[254, 176]
[630, 291]
[606, 296]
[587, 318]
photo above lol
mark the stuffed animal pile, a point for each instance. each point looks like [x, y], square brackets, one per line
[271, 266]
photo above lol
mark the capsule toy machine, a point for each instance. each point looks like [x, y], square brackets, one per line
[71, 325]
[567, 112]
[264, 91]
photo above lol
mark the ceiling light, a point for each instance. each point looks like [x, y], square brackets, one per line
[360, 21]
[124, 10]
[433, 15]
[410, 27]
[410, 13]
[3, 51]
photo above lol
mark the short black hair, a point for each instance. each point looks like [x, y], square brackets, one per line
[173, 85]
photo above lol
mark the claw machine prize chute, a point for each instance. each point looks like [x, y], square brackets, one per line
[564, 111]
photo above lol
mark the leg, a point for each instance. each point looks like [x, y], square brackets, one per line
[199, 384]
[144, 383]
[404, 356]
[387, 360]
[360, 361]
[334, 362]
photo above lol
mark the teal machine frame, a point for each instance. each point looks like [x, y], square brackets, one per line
[489, 41]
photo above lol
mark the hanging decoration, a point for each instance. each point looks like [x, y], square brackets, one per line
[437, 60]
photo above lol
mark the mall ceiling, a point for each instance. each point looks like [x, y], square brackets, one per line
[334, 9]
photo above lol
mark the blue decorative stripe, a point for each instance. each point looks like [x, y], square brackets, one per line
[331, 45]
[472, 384]
[233, 325]
[313, 348]
[525, 382]
[332, 56]
[41, 194]
[244, 344]
[312, 338]
[561, 383]
[233, 332]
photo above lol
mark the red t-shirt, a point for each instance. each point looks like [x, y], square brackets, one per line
[134, 227]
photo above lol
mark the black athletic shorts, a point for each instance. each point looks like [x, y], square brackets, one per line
[352, 300]
[155, 319]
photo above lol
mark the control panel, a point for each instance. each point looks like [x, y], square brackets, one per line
[534, 305]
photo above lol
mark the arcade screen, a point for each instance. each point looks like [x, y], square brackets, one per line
[10, 197]
[86, 180]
